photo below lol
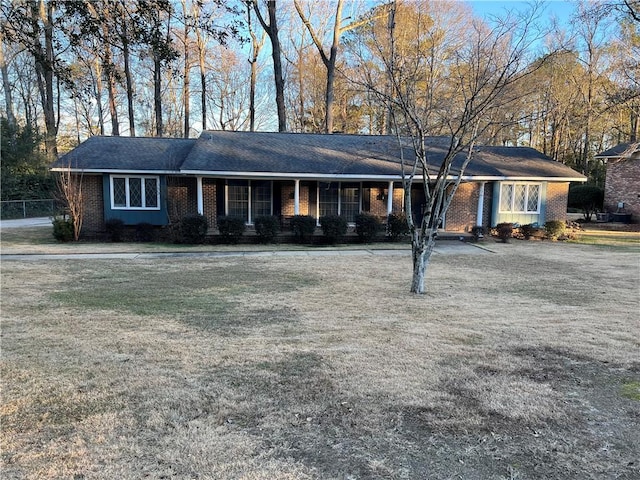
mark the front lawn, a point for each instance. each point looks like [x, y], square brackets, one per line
[521, 363]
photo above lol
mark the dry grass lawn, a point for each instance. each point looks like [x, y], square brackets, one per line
[521, 363]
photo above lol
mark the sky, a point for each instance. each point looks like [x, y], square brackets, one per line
[560, 9]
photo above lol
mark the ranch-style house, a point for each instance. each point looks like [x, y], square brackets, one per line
[250, 174]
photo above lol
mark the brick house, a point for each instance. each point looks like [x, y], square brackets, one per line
[250, 174]
[622, 181]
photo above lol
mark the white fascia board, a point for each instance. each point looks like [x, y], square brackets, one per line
[520, 179]
[118, 172]
[291, 176]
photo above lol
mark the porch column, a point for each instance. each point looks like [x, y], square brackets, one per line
[390, 199]
[199, 195]
[296, 197]
[480, 204]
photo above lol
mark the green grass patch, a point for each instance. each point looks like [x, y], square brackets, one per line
[631, 390]
[202, 295]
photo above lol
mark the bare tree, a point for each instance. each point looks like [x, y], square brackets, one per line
[454, 92]
[70, 194]
[256, 46]
[272, 31]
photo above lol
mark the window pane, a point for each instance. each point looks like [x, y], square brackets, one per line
[150, 192]
[135, 192]
[119, 194]
[261, 204]
[350, 202]
[238, 195]
[506, 197]
[328, 196]
[520, 197]
[532, 199]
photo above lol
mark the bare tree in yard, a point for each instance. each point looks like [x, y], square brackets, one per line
[438, 85]
[70, 194]
[272, 31]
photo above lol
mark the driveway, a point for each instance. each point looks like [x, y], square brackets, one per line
[26, 222]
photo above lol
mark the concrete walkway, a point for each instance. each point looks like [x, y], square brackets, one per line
[442, 247]
[26, 222]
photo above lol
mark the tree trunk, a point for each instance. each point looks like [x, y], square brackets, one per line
[186, 92]
[421, 250]
[11, 119]
[99, 96]
[272, 31]
[129, 82]
[44, 64]
[157, 94]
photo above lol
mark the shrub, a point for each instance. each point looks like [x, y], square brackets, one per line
[587, 198]
[145, 232]
[303, 227]
[504, 231]
[62, 229]
[367, 227]
[528, 230]
[231, 228]
[477, 232]
[333, 227]
[193, 229]
[554, 228]
[397, 226]
[267, 228]
[115, 229]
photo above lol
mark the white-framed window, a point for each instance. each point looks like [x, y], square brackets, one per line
[520, 197]
[249, 199]
[337, 198]
[135, 192]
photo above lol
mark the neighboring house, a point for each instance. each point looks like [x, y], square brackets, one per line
[249, 174]
[622, 181]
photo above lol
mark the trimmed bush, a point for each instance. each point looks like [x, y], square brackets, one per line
[333, 228]
[231, 228]
[367, 227]
[478, 232]
[115, 229]
[145, 232]
[397, 226]
[267, 228]
[504, 231]
[193, 229]
[62, 229]
[554, 229]
[303, 227]
[528, 230]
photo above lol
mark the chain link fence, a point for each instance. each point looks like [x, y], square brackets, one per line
[11, 209]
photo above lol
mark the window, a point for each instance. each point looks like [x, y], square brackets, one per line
[261, 199]
[238, 199]
[520, 197]
[327, 199]
[248, 199]
[135, 193]
[350, 201]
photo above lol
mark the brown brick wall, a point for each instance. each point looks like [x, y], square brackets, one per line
[288, 202]
[622, 184]
[557, 193]
[93, 199]
[181, 197]
[209, 200]
[461, 216]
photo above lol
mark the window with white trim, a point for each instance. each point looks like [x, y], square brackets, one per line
[249, 199]
[135, 192]
[520, 197]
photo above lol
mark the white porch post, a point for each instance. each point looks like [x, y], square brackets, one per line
[296, 197]
[390, 199]
[480, 204]
[199, 195]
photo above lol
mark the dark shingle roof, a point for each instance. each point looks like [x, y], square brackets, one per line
[622, 149]
[127, 154]
[328, 155]
[290, 154]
